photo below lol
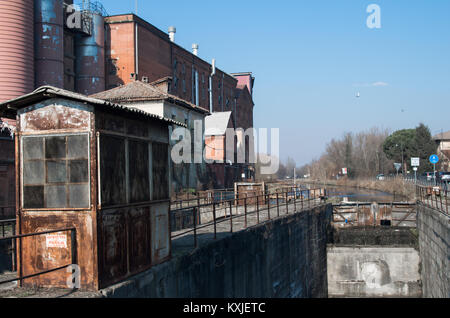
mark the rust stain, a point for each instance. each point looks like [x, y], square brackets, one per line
[55, 117]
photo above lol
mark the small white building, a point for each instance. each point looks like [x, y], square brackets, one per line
[443, 142]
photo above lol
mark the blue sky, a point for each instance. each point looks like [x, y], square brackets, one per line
[311, 57]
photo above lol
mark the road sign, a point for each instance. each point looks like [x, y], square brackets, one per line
[397, 166]
[434, 159]
[415, 162]
[415, 168]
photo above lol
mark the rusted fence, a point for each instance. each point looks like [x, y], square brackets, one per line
[235, 216]
[400, 214]
[17, 253]
[183, 200]
[433, 197]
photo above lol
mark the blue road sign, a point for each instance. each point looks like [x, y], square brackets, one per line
[434, 159]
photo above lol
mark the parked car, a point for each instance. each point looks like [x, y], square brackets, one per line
[428, 175]
[380, 177]
[444, 176]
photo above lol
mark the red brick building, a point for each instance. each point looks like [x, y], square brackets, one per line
[135, 49]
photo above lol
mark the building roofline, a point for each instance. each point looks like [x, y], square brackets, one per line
[47, 92]
[163, 35]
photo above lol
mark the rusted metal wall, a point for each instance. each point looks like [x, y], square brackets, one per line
[249, 190]
[69, 61]
[348, 215]
[17, 48]
[132, 236]
[56, 116]
[90, 58]
[49, 43]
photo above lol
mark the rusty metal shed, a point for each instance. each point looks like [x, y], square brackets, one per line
[99, 169]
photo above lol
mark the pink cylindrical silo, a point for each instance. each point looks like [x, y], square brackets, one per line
[16, 48]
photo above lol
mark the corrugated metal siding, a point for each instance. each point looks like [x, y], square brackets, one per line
[16, 49]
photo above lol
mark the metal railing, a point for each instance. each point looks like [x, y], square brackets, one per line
[21, 277]
[434, 197]
[296, 198]
[209, 196]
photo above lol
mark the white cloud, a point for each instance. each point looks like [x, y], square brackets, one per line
[376, 84]
[380, 84]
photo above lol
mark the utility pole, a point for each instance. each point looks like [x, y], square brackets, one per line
[136, 7]
[295, 178]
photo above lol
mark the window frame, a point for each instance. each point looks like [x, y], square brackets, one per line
[22, 185]
[150, 143]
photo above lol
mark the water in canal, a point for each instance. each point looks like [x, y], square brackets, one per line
[349, 194]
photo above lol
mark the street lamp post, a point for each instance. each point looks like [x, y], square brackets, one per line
[403, 163]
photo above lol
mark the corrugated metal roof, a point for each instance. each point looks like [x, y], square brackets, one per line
[216, 124]
[46, 92]
[138, 91]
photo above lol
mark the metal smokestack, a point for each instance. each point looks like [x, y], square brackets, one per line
[172, 31]
[195, 49]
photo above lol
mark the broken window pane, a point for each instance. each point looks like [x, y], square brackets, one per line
[160, 175]
[56, 172]
[33, 197]
[56, 196]
[79, 196]
[33, 148]
[33, 172]
[77, 146]
[78, 171]
[55, 147]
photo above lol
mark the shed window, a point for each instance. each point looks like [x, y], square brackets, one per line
[160, 173]
[125, 170]
[112, 171]
[139, 171]
[55, 171]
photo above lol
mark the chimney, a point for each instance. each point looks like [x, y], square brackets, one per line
[172, 31]
[195, 49]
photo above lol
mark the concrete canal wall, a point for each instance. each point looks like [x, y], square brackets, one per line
[282, 258]
[434, 238]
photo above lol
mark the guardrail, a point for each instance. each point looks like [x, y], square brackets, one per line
[277, 202]
[434, 197]
[209, 196]
[21, 277]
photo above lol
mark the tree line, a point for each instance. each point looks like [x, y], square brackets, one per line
[367, 154]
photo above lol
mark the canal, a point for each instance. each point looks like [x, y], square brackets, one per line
[351, 194]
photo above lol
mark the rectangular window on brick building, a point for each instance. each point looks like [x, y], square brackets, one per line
[56, 172]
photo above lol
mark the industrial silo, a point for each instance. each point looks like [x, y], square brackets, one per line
[16, 48]
[90, 57]
[49, 43]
